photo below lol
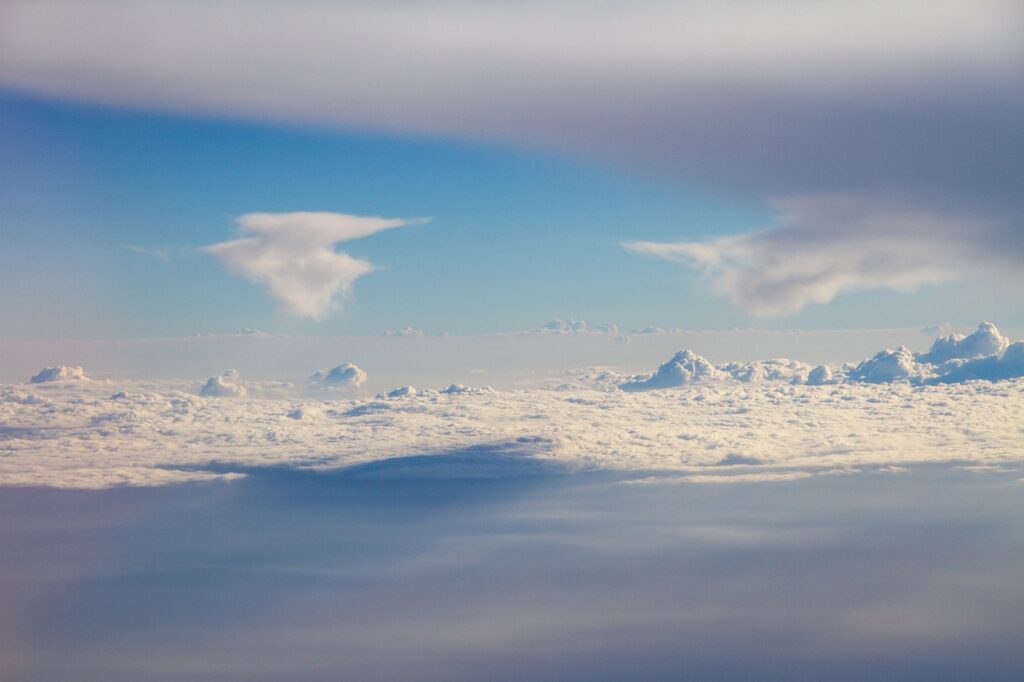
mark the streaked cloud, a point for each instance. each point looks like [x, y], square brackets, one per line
[822, 246]
[294, 256]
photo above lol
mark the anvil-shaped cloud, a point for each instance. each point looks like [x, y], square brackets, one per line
[294, 255]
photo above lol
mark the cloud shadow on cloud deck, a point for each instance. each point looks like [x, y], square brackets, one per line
[507, 460]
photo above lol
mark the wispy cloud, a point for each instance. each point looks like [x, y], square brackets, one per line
[821, 246]
[294, 256]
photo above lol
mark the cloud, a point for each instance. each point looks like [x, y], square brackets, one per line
[59, 373]
[986, 340]
[765, 97]
[906, 101]
[293, 255]
[888, 366]
[559, 326]
[130, 432]
[224, 386]
[1007, 365]
[405, 332]
[983, 355]
[685, 367]
[347, 375]
[821, 246]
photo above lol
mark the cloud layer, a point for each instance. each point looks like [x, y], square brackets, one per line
[294, 256]
[763, 420]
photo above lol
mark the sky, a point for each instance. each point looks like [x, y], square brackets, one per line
[392, 339]
[468, 168]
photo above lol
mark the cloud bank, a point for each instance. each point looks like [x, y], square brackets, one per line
[984, 354]
[766, 421]
[294, 256]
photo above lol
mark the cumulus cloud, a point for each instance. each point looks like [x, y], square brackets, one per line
[58, 373]
[294, 256]
[347, 375]
[888, 366]
[685, 367]
[986, 340]
[223, 386]
[821, 246]
[1006, 365]
[984, 354]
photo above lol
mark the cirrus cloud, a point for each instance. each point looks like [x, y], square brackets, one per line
[294, 256]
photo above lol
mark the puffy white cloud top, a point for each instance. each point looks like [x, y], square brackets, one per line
[59, 373]
[888, 366]
[983, 355]
[347, 375]
[685, 367]
[986, 340]
[224, 386]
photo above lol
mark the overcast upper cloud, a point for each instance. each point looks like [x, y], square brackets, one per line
[293, 255]
[781, 97]
[910, 103]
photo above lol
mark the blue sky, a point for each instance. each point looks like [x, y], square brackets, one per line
[866, 175]
[515, 239]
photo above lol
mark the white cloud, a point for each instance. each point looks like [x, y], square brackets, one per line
[405, 332]
[294, 256]
[223, 386]
[736, 422]
[888, 366]
[986, 340]
[685, 367]
[155, 433]
[59, 373]
[347, 375]
[767, 97]
[985, 355]
[1007, 365]
[821, 246]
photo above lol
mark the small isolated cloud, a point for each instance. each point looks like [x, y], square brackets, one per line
[571, 326]
[405, 332]
[347, 375]
[59, 373]
[823, 245]
[294, 256]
